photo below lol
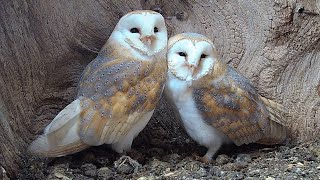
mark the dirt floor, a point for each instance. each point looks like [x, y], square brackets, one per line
[161, 159]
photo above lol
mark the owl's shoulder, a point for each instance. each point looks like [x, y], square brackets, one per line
[107, 78]
[230, 103]
[240, 80]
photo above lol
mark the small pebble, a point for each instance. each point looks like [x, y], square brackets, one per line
[125, 169]
[233, 166]
[299, 164]
[61, 176]
[297, 170]
[242, 161]
[201, 172]
[172, 158]
[222, 159]
[294, 159]
[310, 157]
[215, 171]
[91, 173]
[147, 178]
[192, 166]
[289, 168]
[255, 172]
[87, 167]
[102, 161]
[104, 173]
[126, 165]
[157, 166]
[235, 175]
[303, 173]
[270, 178]
[243, 158]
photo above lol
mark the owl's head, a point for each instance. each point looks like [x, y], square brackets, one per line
[143, 32]
[190, 56]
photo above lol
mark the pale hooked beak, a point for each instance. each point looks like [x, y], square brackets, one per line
[193, 65]
[147, 40]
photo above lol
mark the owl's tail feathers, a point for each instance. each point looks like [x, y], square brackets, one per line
[44, 148]
[277, 119]
[60, 137]
[277, 111]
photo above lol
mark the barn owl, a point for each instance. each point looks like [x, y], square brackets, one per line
[117, 93]
[216, 104]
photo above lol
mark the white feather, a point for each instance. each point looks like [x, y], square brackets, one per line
[70, 112]
[124, 144]
[145, 23]
[61, 135]
[180, 94]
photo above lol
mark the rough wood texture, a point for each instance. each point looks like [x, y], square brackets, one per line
[45, 45]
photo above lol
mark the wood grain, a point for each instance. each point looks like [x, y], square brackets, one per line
[45, 45]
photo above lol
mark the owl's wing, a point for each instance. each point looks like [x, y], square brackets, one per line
[115, 94]
[231, 104]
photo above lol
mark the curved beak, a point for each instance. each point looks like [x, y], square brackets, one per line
[193, 65]
[147, 39]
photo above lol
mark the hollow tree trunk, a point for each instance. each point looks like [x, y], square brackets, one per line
[45, 45]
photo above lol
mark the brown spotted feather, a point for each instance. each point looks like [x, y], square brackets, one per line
[231, 104]
[116, 89]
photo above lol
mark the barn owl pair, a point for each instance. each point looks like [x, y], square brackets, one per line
[119, 90]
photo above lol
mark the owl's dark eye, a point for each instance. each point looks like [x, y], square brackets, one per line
[155, 29]
[203, 56]
[182, 54]
[134, 30]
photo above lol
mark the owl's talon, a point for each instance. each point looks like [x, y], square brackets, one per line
[204, 159]
[195, 156]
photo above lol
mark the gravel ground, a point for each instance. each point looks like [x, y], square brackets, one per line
[175, 160]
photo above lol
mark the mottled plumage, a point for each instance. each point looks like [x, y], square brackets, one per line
[117, 93]
[112, 97]
[217, 104]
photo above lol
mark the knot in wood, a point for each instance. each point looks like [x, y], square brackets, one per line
[181, 16]
[157, 9]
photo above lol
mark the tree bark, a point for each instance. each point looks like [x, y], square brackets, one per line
[45, 45]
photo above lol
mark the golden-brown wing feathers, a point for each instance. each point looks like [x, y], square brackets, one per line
[115, 90]
[231, 104]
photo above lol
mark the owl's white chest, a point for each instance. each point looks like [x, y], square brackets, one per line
[180, 95]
